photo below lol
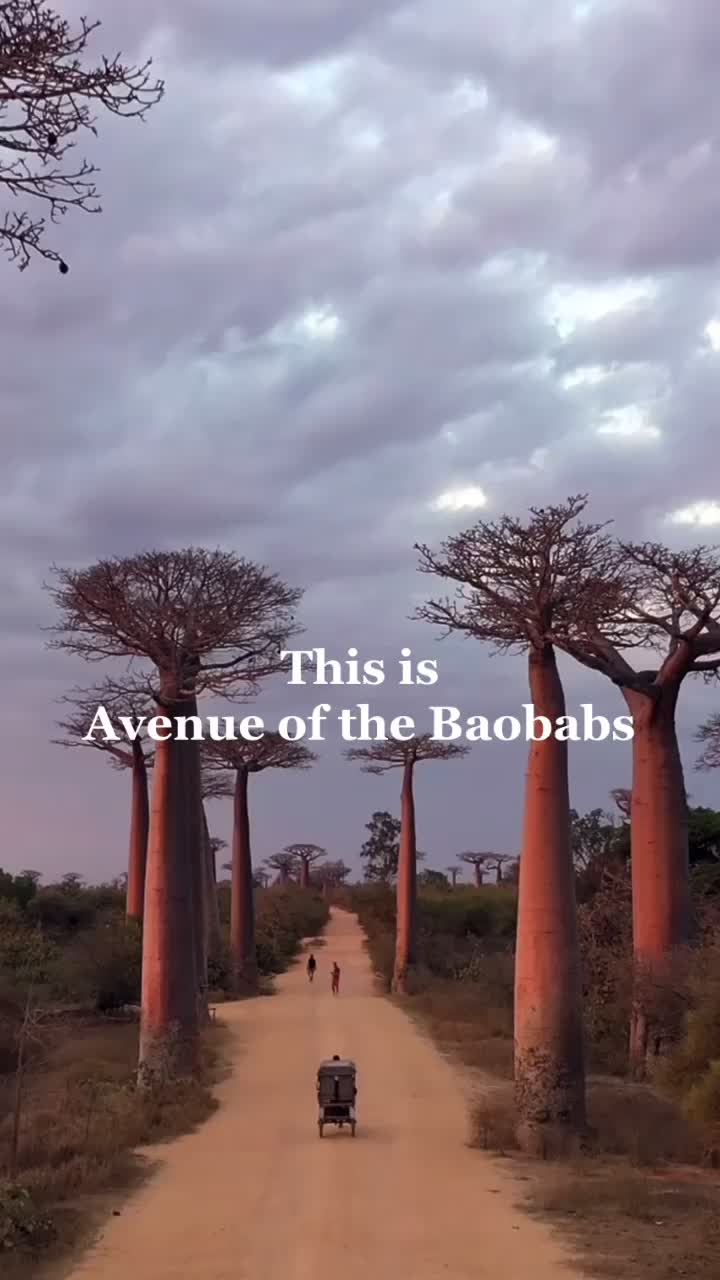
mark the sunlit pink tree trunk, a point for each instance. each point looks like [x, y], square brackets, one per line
[659, 855]
[214, 934]
[139, 829]
[549, 1057]
[406, 894]
[242, 910]
[171, 982]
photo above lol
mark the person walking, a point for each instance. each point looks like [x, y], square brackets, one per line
[311, 967]
[335, 986]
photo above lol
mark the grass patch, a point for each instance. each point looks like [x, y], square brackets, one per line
[631, 1120]
[465, 1022]
[493, 1122]
[632, 1224]
[82, 1122]
[633, 1207]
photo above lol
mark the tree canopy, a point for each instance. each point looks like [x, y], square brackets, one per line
[207, 620]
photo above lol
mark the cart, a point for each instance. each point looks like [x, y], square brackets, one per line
[336, 1094]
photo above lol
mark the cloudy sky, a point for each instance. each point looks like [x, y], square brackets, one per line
[369, 271]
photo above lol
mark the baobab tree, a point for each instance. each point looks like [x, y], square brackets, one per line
[120, 698]
[477, 861]
[380, 758]
[708, 734]
[672, 603]
[330, 875]
[241, 759]
[208, 621]
[496, 862]
[516, 583]
[334, 872]
[305, 856]
[49, 97]
[284, 865]
[454, 871]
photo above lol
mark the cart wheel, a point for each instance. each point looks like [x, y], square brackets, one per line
[352, 1129]
[320, 1128]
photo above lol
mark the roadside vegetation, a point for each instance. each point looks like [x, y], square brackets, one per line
[641, 1197]
[71, 1114]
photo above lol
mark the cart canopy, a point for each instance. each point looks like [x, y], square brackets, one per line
[336, 1067]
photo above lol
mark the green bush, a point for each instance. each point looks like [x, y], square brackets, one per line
[22, 1225]
[489, 913]
[691, 1072]
[18, 889]
[455, 929]
[60, 912]
[284, 915]
[102, 965]
[26, 955]
[703, 1099]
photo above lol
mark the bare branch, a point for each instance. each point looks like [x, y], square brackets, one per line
[214, 785]
[676, 599]
[521, 585]
[332, 873]
[47, 98]
[126, 697]
[284, 863]
[709, 735]
[269, 752]
[396, 753]
[306, 853]
[556, 581]
[208, 620]
[475, 859]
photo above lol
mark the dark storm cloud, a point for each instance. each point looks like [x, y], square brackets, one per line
[363, 258]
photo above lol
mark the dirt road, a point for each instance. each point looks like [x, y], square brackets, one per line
[256, 1195]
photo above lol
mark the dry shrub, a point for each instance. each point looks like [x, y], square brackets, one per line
[83, 1116]
[631, 1120]
[631, 1225]
[494, 1120]
[467, 1019]
[691, 1072]
[605, 938]
[284, 916]
[584, 1190]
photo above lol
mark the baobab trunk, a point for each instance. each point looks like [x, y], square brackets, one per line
[214, 935]
[242, 909]
[549, 1052]
[660, 864]
[405, 928]
[139, 828]
[478, 876]
[193, 805]
[304, 874]
[169, 1024]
